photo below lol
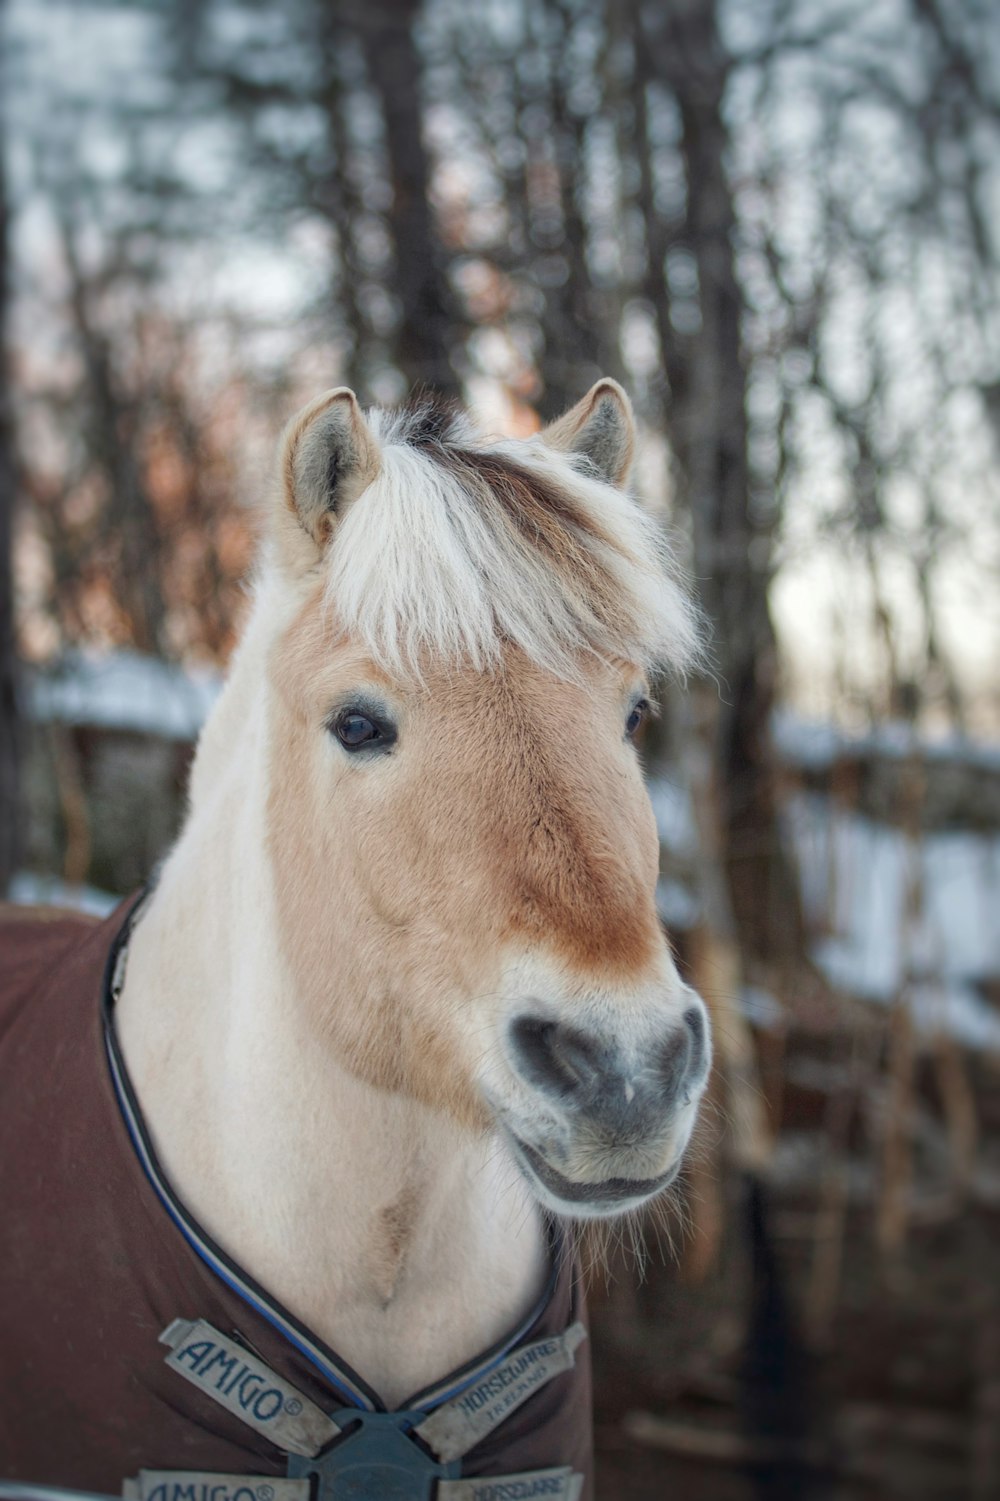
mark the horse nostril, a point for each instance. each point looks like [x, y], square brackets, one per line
[694, 1020]
[673, 1063]
[680, 1060]
[555, 1057]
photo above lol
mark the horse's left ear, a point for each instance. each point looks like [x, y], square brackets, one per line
[328, 457]
[601, 427]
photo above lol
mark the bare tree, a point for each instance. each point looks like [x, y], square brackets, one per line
[9, 723]
[427, 321]
[698, 301]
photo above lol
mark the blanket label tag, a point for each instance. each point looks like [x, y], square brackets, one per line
[232, 1376]
[530, 1485]
[205, 1485]
[459, 1425]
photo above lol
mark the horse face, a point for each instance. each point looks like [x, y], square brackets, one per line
[465, 873]
[465, 860]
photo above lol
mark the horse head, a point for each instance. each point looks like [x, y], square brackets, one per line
[464, 854]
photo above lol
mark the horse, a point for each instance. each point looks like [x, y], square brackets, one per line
[397, 1011]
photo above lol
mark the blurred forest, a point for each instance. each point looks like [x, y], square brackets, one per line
[777, 223]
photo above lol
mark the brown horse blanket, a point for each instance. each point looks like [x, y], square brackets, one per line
[133, 1348]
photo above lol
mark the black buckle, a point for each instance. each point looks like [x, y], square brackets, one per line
[374, 1459]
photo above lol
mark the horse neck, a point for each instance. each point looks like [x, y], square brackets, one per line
[358, 1209]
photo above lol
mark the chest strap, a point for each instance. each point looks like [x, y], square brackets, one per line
[558, 1484]
[240, 1382]
[456, 1427]
[210, 1485]
[367, 1456]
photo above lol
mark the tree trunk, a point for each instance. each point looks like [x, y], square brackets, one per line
[10, 808]
[428, 326]
[579, 346]
[113, 439]
[680, 45]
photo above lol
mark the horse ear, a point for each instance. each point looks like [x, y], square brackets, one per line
[328, 457]
[601, 427]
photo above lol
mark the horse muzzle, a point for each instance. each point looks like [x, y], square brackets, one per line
[599, 1127]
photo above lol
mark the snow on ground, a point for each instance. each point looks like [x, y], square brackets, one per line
[29, 890]
[815, 744]
[124, 691]
[898, 917]
[890, 916]
[674, 816]
[677, 905]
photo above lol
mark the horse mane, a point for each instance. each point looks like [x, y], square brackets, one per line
[461, 546]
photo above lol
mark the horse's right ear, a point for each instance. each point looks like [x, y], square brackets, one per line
[328, 457]
[601, 427]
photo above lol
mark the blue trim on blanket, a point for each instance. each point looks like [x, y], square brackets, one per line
[346, 1382]
[330, 1373]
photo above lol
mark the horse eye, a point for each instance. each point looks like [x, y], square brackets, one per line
[636, 718]
[357, 730]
